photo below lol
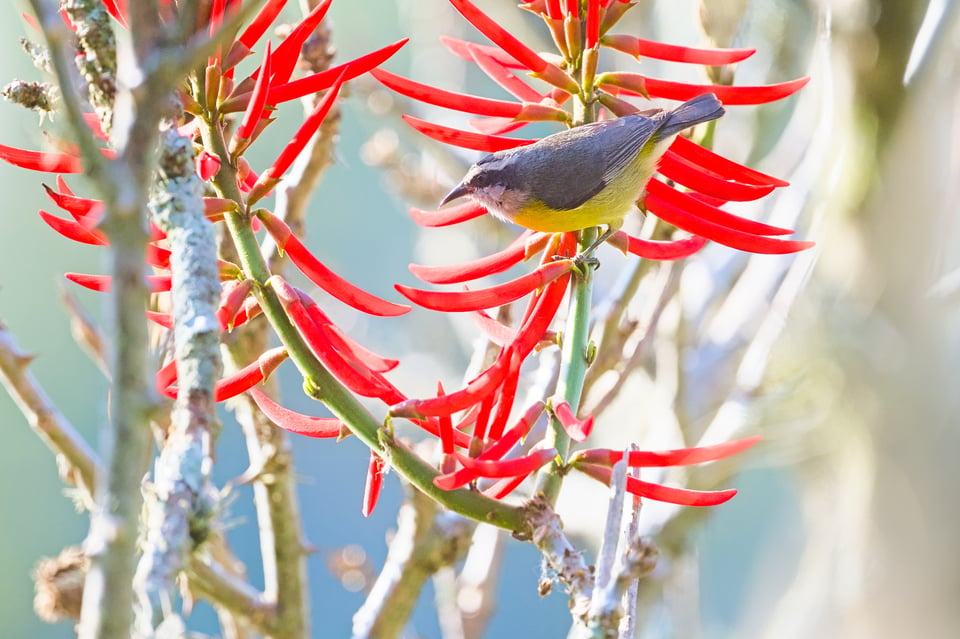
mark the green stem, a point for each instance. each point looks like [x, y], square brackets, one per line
[573, 369]
[575, 356]
[321, 385]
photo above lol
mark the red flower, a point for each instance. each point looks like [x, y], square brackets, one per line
[598, 463]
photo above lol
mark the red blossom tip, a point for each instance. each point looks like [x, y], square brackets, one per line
[577, 429]
[294, 422]
[474, 300]
[207, 165]
[371, 491]
[232, 296]
[161, 319]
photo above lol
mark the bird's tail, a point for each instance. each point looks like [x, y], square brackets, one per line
[702, 108]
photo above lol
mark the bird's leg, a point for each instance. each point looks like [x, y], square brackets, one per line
[586, 255]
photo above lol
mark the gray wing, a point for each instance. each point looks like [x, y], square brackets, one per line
[566, 169]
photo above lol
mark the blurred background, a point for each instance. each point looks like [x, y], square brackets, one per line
[847, 518]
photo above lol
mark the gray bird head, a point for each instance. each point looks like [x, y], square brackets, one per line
[486, 182]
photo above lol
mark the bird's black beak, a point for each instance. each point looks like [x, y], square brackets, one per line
[459, 191]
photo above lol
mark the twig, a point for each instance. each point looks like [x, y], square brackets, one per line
[77, 462]
[179, 513]
[478, 582]
[79, 466]
[426, 540]
[603, 618]
[560, 556]
[111, 544]
[212, 581]
[631, 525]
[282, 544]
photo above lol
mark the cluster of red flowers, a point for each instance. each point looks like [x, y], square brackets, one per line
[473, 424]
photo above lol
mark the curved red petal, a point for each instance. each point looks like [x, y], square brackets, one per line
[73, 230]
[675, 457]
[679, 496]
[102, 283]
[508, 467]
[254, 111]
[638, 47]
[710, 213]
[463, 49]
[474, 300]
[259, 25]
[467, 271]
[41, 160]
[447, 99]
[506, 398]
[163, 319]
[448, 216]
[721, 234]
[637, 84]
[78, 207]
[323, 80]
[696, 154]
[504, 487]
[535, 326]
[500, 36]
[322, 276]
[304, 134]
[294, 422]
[499, 72]
[666, 494]
[347, 347]
[288, 52]
[663, 250]
[475, 391]
[464, 139]
[694, 177]
[496, 126]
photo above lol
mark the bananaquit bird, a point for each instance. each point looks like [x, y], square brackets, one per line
[582, 177]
